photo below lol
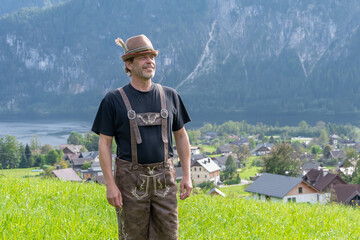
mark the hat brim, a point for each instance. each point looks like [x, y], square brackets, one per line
[130, 55]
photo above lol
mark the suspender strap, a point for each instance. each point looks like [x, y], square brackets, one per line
[134, 129]
[164, 115]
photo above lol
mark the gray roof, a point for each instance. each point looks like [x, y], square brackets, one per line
[273, 185]
[91, 155]
[267, 145]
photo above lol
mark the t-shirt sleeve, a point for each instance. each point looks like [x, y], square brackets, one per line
[181, 116]
[104, 120]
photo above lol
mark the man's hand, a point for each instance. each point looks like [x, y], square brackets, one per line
[113, 196]
[186, 185]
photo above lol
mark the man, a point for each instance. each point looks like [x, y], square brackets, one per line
[142, 116]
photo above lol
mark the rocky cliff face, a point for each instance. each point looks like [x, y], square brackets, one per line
[227, 56]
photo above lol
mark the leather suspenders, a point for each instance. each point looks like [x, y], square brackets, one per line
[146, 119]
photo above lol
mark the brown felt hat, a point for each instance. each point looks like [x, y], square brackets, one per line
[136, 46]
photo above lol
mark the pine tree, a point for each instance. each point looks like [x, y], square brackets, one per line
[28, 156]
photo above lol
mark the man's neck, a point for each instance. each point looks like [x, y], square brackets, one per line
[141, 85]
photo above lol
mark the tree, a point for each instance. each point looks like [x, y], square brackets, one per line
[252, 143]
[194, 135]
[230, 166]
[243, 153]
[46, 148]
[281, 161]
[35, 144]
[315, 149]
[39, 160]
[326, 150]
[86, 165]
[323, 138]
[206, 128]
[9, 152]
[23, 162]
[75, 138]
[52, 157]
[207, 185]
[28, 156]
[91, 141]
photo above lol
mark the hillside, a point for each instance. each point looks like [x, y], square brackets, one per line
[249, 57]
[33, 208]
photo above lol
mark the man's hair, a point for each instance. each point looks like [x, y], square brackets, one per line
[127, 71]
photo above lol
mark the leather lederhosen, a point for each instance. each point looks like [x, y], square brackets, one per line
[148, 190]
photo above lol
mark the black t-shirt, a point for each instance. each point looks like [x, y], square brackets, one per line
[112, 120]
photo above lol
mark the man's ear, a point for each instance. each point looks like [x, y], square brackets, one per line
[128, 65]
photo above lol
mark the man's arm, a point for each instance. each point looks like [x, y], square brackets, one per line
[183, 149]
[113, 194]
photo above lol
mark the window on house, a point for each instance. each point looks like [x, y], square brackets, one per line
[300, 190]
[289, 199]
[200, 169]
[195, 169]
[294, 199]
[205, 176]
[198, 176]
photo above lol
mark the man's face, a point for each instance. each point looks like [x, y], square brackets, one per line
[143, 66]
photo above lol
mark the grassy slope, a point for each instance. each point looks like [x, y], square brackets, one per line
[33, 208]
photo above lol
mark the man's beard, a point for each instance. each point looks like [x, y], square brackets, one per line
[141, 73]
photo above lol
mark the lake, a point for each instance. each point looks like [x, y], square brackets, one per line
[48, 131]
[56, 132]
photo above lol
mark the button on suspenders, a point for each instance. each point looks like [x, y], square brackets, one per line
[138, 119]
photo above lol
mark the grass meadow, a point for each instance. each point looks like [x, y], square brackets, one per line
[36, 208]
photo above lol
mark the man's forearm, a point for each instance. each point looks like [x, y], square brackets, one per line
[105, 157]
[183, 149]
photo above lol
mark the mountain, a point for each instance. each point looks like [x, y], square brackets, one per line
[11, 6]
[268, 57]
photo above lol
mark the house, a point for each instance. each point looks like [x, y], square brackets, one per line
[67, 174]
[308, 166]
[285, 189]
[337, 154]
[94, 155]
[77, 163]
[68, 157]
[348, 143]
[334, 139]
[221, 160]
[94, 172]
[205, 170]
[194, 150]
[348, 194]
[215, 191]
[241, 141]
[322, 179]
[262, 149]
[70, 149]
[196, 157]
[224, 149]
[211, 135]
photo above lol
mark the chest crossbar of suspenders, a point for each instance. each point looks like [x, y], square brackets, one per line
[137, 119]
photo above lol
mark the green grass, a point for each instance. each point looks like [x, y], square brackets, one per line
[36, 208]
[235, 191]
[246, 173]
[19, 172]
[207, 148]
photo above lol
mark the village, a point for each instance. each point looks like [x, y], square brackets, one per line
[324, 173]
